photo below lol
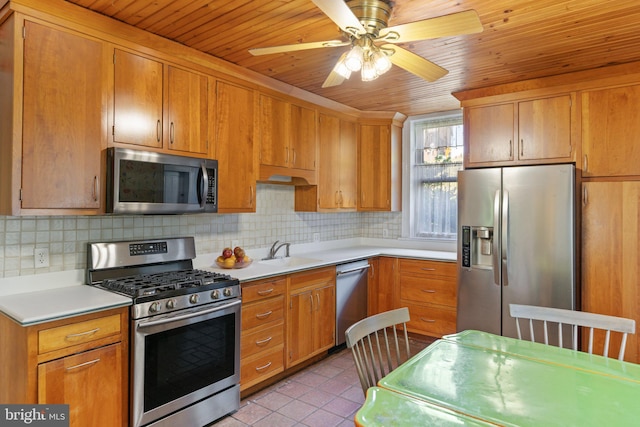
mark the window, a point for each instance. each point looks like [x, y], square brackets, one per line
[436, 148]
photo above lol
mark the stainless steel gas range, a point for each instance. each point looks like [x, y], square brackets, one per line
[185, 331]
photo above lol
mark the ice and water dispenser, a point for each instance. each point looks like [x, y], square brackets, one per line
[477, 247]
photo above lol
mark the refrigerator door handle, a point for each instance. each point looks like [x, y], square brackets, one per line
[505, 238]
[495, 241]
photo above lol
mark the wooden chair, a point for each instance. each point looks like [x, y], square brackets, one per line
[574, 319]
[377, 345]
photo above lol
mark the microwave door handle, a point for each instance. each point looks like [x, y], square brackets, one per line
[202, 185]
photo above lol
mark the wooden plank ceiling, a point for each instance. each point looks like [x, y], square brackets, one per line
[522, 39]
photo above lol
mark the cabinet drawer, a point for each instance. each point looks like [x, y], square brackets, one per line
[429, 290]
[424, 268]
[313, 278]
[263, 289]
[255, 370]
[262, 339]
[431, 320]
[262, 313]
[77, 333]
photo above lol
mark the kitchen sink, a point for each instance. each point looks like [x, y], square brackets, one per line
[292, 261]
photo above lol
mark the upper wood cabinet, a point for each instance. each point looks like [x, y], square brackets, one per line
[53, 120]
[523, 132]
[379, 167]
[287, 139]
[611, 132]
[235, 149]
[159, 105]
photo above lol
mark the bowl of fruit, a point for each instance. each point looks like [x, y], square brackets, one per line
[233, 258]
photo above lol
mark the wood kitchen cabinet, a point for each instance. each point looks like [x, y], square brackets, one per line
[311, 314]
[159, 105]
[81, 361]
[611, 132]
[522, 132]
[262, 338]
[379, 167]
[429, 290]
[52, 126]
[235, 148]
[287, 139]
[610, 254]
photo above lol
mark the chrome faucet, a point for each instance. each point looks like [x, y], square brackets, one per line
[274, 249]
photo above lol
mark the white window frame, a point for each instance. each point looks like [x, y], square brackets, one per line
[408, 208]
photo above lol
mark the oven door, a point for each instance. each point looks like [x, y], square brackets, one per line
[183, 357]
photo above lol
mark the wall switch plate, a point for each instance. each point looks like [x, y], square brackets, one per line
[41, 257]
[316, 237]
[385, 232]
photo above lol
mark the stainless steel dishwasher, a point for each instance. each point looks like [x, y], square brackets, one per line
[351, 296]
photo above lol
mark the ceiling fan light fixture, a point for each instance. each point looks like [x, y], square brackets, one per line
[381, 61]
[369, 71]
[341, 69]
[353, 61]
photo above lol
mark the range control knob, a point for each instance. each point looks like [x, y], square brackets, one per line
[154, 307]
[227, 292]
[194, 298]
[215, 294]
[171, 304]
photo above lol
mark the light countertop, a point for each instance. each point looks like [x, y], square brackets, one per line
[44, 297]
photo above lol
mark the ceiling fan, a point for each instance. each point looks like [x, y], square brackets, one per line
[373, 44]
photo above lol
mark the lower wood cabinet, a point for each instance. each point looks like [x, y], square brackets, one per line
[81, 361]
[311, 314]
[262, 337]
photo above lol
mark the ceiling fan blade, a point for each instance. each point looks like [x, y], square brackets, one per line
[415, 64]
[294, 47]
[334, 78]
[339, 12]
[466, 22]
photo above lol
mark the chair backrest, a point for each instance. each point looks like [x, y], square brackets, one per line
[378, 345]
[576, 320]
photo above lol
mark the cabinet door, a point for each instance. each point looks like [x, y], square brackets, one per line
[489, 134]
[64, 100]
[329, 173]
[348, 165]
[187, 111]
[544, 128]
[374, 164]
[610, 254]
[235, 148]
[274, 136]
[90, 382]
[611, 132]
[300, 340]
[387, 289]
[303, 138]
[324, 331]
[137, 114]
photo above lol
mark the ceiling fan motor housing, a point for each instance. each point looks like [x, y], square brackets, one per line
[372, 14]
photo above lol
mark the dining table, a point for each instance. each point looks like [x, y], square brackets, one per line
[477, 378]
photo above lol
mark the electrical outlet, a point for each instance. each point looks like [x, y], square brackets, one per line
[41, 257]
[316, 237]
[385, 232]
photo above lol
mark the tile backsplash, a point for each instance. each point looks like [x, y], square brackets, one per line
[66, 237]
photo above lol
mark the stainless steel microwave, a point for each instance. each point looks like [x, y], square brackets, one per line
[143, 182]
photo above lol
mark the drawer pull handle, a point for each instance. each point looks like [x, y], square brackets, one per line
[91, 362]
[429, 291]
[264, 315]
[262, 368]
[93, 331]
[265, 291]
[428, 269]
[427, 320]
[264, 341]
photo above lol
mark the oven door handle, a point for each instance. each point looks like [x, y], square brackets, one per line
[187, 316]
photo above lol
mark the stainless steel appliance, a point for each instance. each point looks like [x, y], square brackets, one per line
[516, 243]
[185, 330]
[351, 296]
[142, 182]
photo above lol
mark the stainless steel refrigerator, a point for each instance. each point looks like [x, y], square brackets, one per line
[516, 243]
